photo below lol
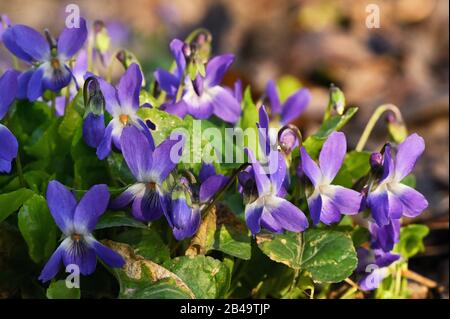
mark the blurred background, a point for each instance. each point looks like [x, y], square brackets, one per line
[404, 62]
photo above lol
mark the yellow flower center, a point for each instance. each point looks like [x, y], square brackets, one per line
[76, 237]
[55, 63]
[123, 118]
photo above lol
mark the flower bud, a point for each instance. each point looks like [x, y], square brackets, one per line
[337, 99]
[94, 100]
[101, 37]
[396, 127]
[376, 164]
[287, 140]
[187, 50]
[376, 160]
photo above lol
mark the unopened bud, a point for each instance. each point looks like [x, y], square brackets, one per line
[397, 130]
[337, 99]
[187, 51]
[202, 38]
[289, 137]
[288, 140]
[376, 163]
[102, 39]
[390, 118]
[376, 159]
[98, 26]
[94, 100]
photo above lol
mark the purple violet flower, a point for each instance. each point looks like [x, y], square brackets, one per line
[187, 201]
[373, 266]
[151, 167]
[8, 143]
[77, 221]
[385, 237]
[50, 71]
[203, 96]
[79, 73]
[122, 103]
[170, 81]
[265, 205]
[292, 108]
[391, 199]
[4, 24]
[183, 214]
[328, 202]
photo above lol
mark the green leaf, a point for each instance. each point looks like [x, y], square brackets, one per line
[327, 254]
[146, 243]
[206, 277]
[250, 112]
[221, 230]
[88, 171]
[287, 85]
[118, 219]
[165, 122]
[360, 235]
[27, 117]
[356, 165]
[162, 289]
[37, 180]
[314, 143]
[37, 228]
[411, 240]
[409, 180]
[59, 290]
[11, 202]
[119, 169]
[142, 278]
[72, 120]
[43, 143]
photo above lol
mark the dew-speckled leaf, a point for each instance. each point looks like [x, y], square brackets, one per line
[206, 277]
[328, 255]
[164, 122]
[284, 248]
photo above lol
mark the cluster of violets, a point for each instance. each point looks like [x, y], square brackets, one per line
[56, 64]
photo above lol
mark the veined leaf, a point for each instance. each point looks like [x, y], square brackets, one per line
[327, 254]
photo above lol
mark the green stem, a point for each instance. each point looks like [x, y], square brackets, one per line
[22, 180]
[90, 55]
[222, 191]
[110, 174]
[327, 113]
[300, 246]
[53, 105]
[373, 120]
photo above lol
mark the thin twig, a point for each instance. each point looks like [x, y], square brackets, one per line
[419, 278]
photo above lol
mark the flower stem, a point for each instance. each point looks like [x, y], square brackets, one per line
[373, 120]
[222, 191]
[22, 180]
[53, 101]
